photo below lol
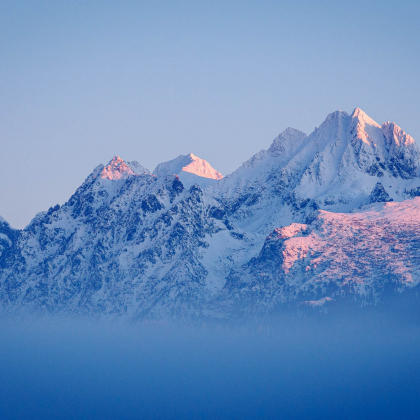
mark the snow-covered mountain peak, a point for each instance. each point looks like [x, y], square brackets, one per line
[117, 168]
[366, 130]
[287, 142]
[187, 163]
[201, 168]
[3, 220]
[364, 118]
[337, 167]
[336, 115]
[190, 169]
[396, 135]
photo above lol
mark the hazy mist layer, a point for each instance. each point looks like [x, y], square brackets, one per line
[304, 370]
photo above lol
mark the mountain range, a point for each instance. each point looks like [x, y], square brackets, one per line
[329, 217]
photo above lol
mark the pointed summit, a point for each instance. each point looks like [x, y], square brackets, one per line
[365, 129]
[117, 168]
[363, 117]
[190, 170]
[202, 168]
[189, 163]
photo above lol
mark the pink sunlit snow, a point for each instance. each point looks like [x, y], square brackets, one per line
[117, 168]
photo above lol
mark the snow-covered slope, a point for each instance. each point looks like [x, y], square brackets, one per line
[190, 169]
[357, 255]
[290, 225]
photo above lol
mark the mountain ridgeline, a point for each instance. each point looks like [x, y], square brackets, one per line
[310, 224]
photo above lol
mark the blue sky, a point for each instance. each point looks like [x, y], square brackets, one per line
[82, 81]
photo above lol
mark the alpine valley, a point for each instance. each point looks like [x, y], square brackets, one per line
[328, 219]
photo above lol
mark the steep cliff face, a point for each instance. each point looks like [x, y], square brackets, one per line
[184, 242]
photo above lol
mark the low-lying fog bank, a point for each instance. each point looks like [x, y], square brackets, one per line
[77, 369]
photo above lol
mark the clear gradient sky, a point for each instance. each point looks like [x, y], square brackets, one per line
[82, 81]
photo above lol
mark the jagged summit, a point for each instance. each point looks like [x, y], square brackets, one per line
[396, 135]
[117, 168]
[368, 129]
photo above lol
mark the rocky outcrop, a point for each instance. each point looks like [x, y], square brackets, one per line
[379, 194]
